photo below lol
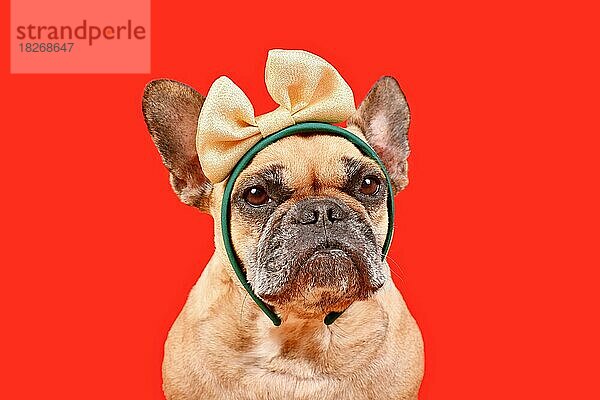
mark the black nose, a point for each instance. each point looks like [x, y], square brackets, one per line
[312, 211]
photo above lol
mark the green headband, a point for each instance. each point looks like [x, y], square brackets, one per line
[312, 127]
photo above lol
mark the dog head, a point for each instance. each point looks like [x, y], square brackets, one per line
[309, 213]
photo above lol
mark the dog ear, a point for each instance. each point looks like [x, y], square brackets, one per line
[171, 111]
[383, 117]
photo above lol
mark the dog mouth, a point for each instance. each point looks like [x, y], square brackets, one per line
[326, 278]
[326, 255]
[331, 267]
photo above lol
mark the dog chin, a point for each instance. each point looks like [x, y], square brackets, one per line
[325, 281]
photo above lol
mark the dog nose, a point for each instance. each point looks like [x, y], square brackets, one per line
[312, 211]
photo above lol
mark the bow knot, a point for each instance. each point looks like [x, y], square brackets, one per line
[274, 121]
[306, 87]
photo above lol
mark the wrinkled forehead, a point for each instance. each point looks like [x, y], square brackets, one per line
[304, 159]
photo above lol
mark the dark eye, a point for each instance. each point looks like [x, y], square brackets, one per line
[256, 196]
[370, 185]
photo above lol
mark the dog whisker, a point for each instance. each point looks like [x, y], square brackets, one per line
[242, 308]
[396, 265]
[338, 329]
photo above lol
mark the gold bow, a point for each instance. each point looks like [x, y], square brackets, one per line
[306, 87]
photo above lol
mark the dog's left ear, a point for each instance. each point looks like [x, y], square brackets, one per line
[383, 117]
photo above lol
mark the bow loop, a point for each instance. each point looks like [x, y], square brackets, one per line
[305, 86]
[226, 129]
[308, 86]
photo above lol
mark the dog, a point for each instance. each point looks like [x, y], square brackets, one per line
[308, 219]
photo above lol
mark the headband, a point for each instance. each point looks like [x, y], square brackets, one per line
[307, 89]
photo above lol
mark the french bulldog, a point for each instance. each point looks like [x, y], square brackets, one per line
[308, 221]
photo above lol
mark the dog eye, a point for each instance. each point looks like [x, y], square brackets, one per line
[256, 196]
[370, 185]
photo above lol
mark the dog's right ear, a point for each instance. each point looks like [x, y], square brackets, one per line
[171, 111]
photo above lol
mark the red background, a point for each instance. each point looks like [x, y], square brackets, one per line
[497, 234]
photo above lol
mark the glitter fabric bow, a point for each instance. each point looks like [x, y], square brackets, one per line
[307, 89]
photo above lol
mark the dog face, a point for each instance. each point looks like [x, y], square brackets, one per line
[309, 214]
[308, 220]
